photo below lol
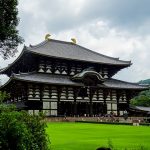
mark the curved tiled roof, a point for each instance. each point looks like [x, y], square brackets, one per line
[68, 50]
[140, 108]
[66, 80]
[114, 83]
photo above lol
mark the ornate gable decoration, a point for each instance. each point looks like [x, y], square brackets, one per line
[89, 77]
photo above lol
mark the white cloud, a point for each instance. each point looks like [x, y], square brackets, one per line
[100, 37]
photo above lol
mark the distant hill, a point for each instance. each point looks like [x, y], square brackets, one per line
[147, 81]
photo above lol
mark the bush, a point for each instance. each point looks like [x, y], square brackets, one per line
[3, 96]
[21, 131]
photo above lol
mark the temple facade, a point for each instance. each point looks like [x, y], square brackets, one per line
[62, 78]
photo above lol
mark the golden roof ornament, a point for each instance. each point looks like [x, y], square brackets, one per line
[47, 37]
[74, 41]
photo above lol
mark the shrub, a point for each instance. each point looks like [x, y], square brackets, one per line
[21, 131]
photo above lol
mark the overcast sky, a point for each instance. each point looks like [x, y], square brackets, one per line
[118, 28]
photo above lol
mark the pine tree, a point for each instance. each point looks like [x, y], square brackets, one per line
[9, 35]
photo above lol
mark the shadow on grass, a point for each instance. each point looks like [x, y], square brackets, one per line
[112, 147]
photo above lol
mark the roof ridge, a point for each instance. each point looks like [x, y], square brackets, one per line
[37, 45]
[46, 41]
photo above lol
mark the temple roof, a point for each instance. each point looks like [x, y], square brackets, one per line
[140, 108]
[143, 108]
[114, 83]
[71, 51]
[68, 51]
[66, 80]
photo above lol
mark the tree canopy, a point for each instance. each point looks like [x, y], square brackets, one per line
[143, 99]
[9, 35]
[147, 81]
[22, 131]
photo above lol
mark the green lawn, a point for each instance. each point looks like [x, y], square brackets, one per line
[83, 136]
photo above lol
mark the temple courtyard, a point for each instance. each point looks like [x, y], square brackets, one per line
[88, 136]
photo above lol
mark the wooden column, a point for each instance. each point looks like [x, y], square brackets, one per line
[118, 94]
[127, 100]
[105, 94]
[41, 96]
[26, 92]
[59, 90]
[75, 102]
[41, 92]
[91, 103]
[87, 107]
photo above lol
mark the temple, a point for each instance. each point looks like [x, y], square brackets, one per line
[63, 78]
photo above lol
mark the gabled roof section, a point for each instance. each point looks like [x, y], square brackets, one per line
[140, 109]
[71, 51]
[82, 75]
[66, 80]
[2, 70]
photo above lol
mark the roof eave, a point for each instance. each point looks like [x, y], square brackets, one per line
[4, 70]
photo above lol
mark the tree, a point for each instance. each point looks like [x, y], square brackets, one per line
[143, 99]
[9, 35]
[147, 81]
[22, 131]
[19, 130]
[3, 96]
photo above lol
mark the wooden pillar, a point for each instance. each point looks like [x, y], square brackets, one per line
[59, 90]
[26, 92]
[127, 100]
[105, 94]
[41, 92]
[87, 108]
[41, 95]
[75, 108]
[91, 103]
[72, 109]
[118, 94]
[75, 102]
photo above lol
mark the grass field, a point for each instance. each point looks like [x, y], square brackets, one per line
[83, 136]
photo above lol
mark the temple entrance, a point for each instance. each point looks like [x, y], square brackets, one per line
[98, 109]
[65, 108]
[73, 109]
[83, 108]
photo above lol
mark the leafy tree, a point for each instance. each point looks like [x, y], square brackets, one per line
[143, 99]
[9, 35]
[21, 131]
[147, 81]
[3, 96]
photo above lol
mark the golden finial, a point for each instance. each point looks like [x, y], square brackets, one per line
[47, 37]
[73, 40]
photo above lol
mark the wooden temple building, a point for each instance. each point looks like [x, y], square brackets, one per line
[63, 78]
